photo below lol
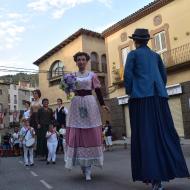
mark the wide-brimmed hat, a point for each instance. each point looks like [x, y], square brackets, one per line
[140, 34]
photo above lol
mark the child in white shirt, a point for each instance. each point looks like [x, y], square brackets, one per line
[52, 142]
[27, 133]
[16, 141]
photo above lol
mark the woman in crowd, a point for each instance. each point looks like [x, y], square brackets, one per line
[35, 106]
[26, 113]
[84, 131]
[45, 118]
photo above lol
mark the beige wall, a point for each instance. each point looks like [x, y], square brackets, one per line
[179, 76]
[175, 16]
[66, 56]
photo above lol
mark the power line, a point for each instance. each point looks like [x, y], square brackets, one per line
[21, 69]
[17, 71]
[18, 68]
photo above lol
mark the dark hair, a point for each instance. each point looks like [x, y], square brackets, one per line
[59, 99]
[26, 119]
[81, 54]
[123, 134]
[45, 99]
[107, 122]
[141, 42]
[27, 102]
[38, 92]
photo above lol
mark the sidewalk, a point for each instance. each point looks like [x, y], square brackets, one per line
[121, 142]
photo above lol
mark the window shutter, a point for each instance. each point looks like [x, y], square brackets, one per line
[163, 40]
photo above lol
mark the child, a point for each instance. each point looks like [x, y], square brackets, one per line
[108, 135]
[27, 133]
[6, 145]
[124, 138]
[16, 141]
[103, 138]
[62, 136]
[52, 142]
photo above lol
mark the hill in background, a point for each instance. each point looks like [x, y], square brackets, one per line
[33, 78]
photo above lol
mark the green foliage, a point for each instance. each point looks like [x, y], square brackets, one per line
[32, 78]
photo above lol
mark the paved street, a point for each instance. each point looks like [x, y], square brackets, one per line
[116, 175]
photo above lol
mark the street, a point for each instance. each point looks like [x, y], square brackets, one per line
[116, 175]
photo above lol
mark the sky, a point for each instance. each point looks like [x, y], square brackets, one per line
[30, 28]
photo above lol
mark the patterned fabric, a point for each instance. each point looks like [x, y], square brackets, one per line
[84, 147]
[88, 82]
[84, 132]
[83, 109]
[84, 157]
[82, 112]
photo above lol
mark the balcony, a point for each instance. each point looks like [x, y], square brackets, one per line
[178, 57]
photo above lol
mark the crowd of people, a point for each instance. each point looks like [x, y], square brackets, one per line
[156, 153]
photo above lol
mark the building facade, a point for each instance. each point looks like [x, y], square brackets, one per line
[25, 93]
[167, 21]
[4, 114]
[59, 60]
[13, 103]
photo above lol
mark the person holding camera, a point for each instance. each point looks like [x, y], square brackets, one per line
[27, 138]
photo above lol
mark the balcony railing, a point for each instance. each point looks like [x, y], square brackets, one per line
[176, 56]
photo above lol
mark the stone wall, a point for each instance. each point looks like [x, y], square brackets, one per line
[117, 118]
[185, 104]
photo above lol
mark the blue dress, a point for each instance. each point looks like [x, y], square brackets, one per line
[156, 153]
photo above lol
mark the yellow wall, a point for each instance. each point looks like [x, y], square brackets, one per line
[179, 76]
[176, 14]
[66, 56]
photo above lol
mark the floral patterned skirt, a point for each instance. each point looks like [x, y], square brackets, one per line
[84, 147]
[84, 112]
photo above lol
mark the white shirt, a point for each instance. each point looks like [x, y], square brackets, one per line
[65, 110]
[27, 133]
[26, 114]
[16, 138]
[62, 131]
[51, 137]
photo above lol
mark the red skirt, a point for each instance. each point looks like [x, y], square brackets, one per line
[84, 147]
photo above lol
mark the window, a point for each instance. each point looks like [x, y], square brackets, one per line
[94, 61]
[9, 100]
[1, 92]
[14, 107]
[124, 53]
[26, 93]
[15, 99]
[160, 42]
[14, 87]
[103, 85]
[104, 63]
[57, 69]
